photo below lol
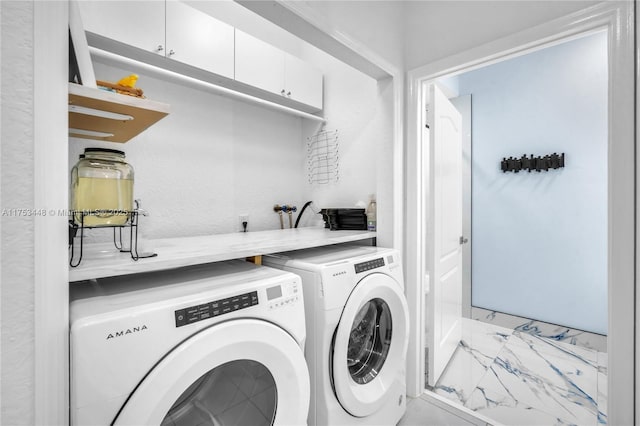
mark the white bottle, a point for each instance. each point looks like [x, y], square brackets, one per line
[371, 213]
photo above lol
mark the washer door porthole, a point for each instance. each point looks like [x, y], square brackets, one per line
[369, 341]
[368, 352]
[238, 392]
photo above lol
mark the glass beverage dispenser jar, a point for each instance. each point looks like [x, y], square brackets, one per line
[102, 180]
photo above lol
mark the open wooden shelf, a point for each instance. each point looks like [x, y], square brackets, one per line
[142, 112]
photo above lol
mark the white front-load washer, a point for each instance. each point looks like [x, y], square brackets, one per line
[217, 344]
[357, 332]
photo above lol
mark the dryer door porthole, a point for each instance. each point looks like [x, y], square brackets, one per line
[243, 371]
[370, 344]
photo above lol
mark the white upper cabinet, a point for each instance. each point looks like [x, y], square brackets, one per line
[137, 23]
[303, 81]
[197, 39]
[185, 35]
[259, 64]
[266, 67]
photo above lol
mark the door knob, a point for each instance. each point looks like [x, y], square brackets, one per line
[289, 94]
[171, 52]
[160, 48]
[283, 92]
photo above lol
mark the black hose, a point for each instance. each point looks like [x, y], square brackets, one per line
[302, 211]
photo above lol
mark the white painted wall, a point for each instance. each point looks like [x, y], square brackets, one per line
[211, 159]
[1, 400]
[367, 123]
[17, 191]
[357, 106]
[214, 158]
[540, 239]
[438, 29]
[351, 108]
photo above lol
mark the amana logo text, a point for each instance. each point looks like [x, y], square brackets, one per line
[127, 331]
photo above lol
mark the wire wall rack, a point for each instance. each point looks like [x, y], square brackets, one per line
[323, 160]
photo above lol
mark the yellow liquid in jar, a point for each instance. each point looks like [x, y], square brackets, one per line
[103, 194]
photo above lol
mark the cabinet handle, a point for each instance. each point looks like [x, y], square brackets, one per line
[171, 52]
[283, 92]
[289, 94]
[160, 48]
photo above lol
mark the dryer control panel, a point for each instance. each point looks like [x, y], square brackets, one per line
[214, 309]
[367, 266]
[282, 295]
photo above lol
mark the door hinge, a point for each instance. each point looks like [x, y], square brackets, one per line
[426, 368]
[463, 240]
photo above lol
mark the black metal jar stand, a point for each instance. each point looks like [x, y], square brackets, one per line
[131, 223]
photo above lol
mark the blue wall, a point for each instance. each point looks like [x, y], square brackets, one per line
[540, 239]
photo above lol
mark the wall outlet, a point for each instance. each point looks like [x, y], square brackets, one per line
[244, 218]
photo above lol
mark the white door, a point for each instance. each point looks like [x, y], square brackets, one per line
[444, 262]
[463, 104]
[370, 346]
[197, 39]
[136, 23]
[242, 371]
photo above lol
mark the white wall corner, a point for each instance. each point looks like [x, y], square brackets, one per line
[50, 49]
[1, 205]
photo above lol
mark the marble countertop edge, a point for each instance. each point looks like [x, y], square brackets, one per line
[104, 260]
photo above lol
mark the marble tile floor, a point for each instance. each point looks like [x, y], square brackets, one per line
[516, 378]
[542, 329]
[428, 411]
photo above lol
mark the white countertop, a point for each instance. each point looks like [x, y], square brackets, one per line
[104, 260]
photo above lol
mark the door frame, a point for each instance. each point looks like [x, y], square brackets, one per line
[618, 19]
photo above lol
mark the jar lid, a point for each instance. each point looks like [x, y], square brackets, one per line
[111, 151]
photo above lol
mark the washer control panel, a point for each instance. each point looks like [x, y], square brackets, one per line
[216, 308]
[369, 265]
[283, 295]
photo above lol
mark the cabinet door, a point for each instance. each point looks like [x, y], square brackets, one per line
[259, 64]
[303, 82]
[197, 39]
[137, 23]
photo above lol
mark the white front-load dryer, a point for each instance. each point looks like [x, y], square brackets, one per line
[357, 332]
[216, 344]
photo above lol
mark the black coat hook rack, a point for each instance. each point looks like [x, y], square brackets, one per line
[540, 163]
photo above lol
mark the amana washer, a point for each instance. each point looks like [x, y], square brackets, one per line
[358, 330]
[216, 344]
